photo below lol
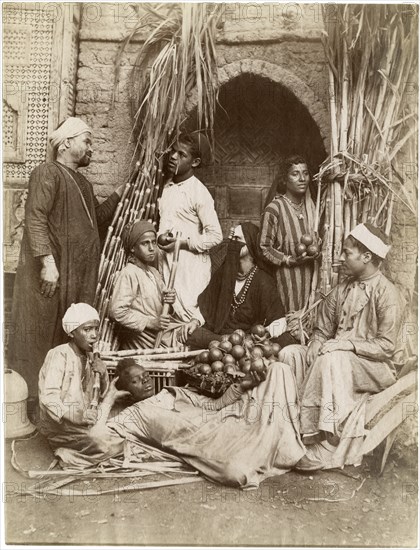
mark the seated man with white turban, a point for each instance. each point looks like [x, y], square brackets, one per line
[66, 383]
[139, 295]
[351, 352]
[60, 250]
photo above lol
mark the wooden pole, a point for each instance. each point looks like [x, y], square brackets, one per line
[171, 281]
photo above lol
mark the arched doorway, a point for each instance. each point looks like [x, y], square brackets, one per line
[258, 122]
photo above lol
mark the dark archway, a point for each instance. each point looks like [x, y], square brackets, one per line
[257, 123]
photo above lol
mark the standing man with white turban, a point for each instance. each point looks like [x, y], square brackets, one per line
[353, 349]
[60, 249]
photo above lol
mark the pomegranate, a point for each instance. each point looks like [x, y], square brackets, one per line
[245, 364]
[258, 366]
[203, 357]
[225, 346]
[235, 339]
[229, 360]
[257, 353]
[225, 338]
[205, 369]
[300, 249]
[229, 369]
[312, 250]
[267, 350]
[215, 354]
[214, 344]
[258, 330]
[237, 352]
[240, 332]
[306, 239]
[217, 366]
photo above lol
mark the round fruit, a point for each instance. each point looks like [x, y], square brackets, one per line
[217, 366]
[203, 357]
[276, 349]
[237, 352]
[267, 350]
[229, 360]
[162, 240]
[306, 239]
[230, 369]
[300, 249]
[225, 346]
[240, 332]
[235, 339]
[214, 344]
[257, 365]
[225, 338]
[215, 354]
[257, 353]
[205, 369]
[248, 343]
[312, 250]
[258, 330]
[245, 364]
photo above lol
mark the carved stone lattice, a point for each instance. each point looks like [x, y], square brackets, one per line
[9, 125]
[16, 41]
[26, 79]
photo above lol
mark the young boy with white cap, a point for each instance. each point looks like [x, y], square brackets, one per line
[354, 343]
[66, 383]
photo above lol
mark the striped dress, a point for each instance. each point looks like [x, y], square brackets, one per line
[281, 230]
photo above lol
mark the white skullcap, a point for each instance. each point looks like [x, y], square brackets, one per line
[375, 244]
[72, 127]
[77, 314]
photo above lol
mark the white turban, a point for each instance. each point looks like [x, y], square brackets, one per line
[373, 243]
[72, 127]
[77, 314]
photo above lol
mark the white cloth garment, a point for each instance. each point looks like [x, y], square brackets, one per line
[188, 207]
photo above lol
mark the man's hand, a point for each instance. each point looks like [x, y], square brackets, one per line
[99, 366]
[251, 380]
[49, 276]
[113, 393]
[293, 325]
[187, 329]
[313, 352]
[169, 296]
[336, 345]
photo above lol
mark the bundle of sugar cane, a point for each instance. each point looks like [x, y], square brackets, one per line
[178, 56]
[370, 51]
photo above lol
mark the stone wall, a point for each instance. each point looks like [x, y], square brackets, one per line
[279, 42]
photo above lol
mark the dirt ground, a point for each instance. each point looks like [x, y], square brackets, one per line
[353, 507]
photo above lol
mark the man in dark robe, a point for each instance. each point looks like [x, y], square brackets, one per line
[241, 293]
[60, 250]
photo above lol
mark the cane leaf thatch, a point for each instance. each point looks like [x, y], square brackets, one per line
[371, 54]
[177, 59]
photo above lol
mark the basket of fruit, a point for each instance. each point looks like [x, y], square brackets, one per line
[229, 360]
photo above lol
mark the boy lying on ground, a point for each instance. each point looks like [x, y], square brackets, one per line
[248, 434]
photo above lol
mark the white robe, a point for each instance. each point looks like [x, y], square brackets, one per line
[188, 207]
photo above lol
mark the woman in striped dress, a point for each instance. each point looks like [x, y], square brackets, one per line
[286, 218]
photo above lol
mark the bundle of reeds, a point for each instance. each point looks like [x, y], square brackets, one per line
[177, 57]
[371, 52]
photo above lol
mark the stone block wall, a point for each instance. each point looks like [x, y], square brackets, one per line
[279, 42]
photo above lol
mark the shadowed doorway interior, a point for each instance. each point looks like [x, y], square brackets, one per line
[258, 122]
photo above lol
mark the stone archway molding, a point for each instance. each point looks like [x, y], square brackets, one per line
[279, 75]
